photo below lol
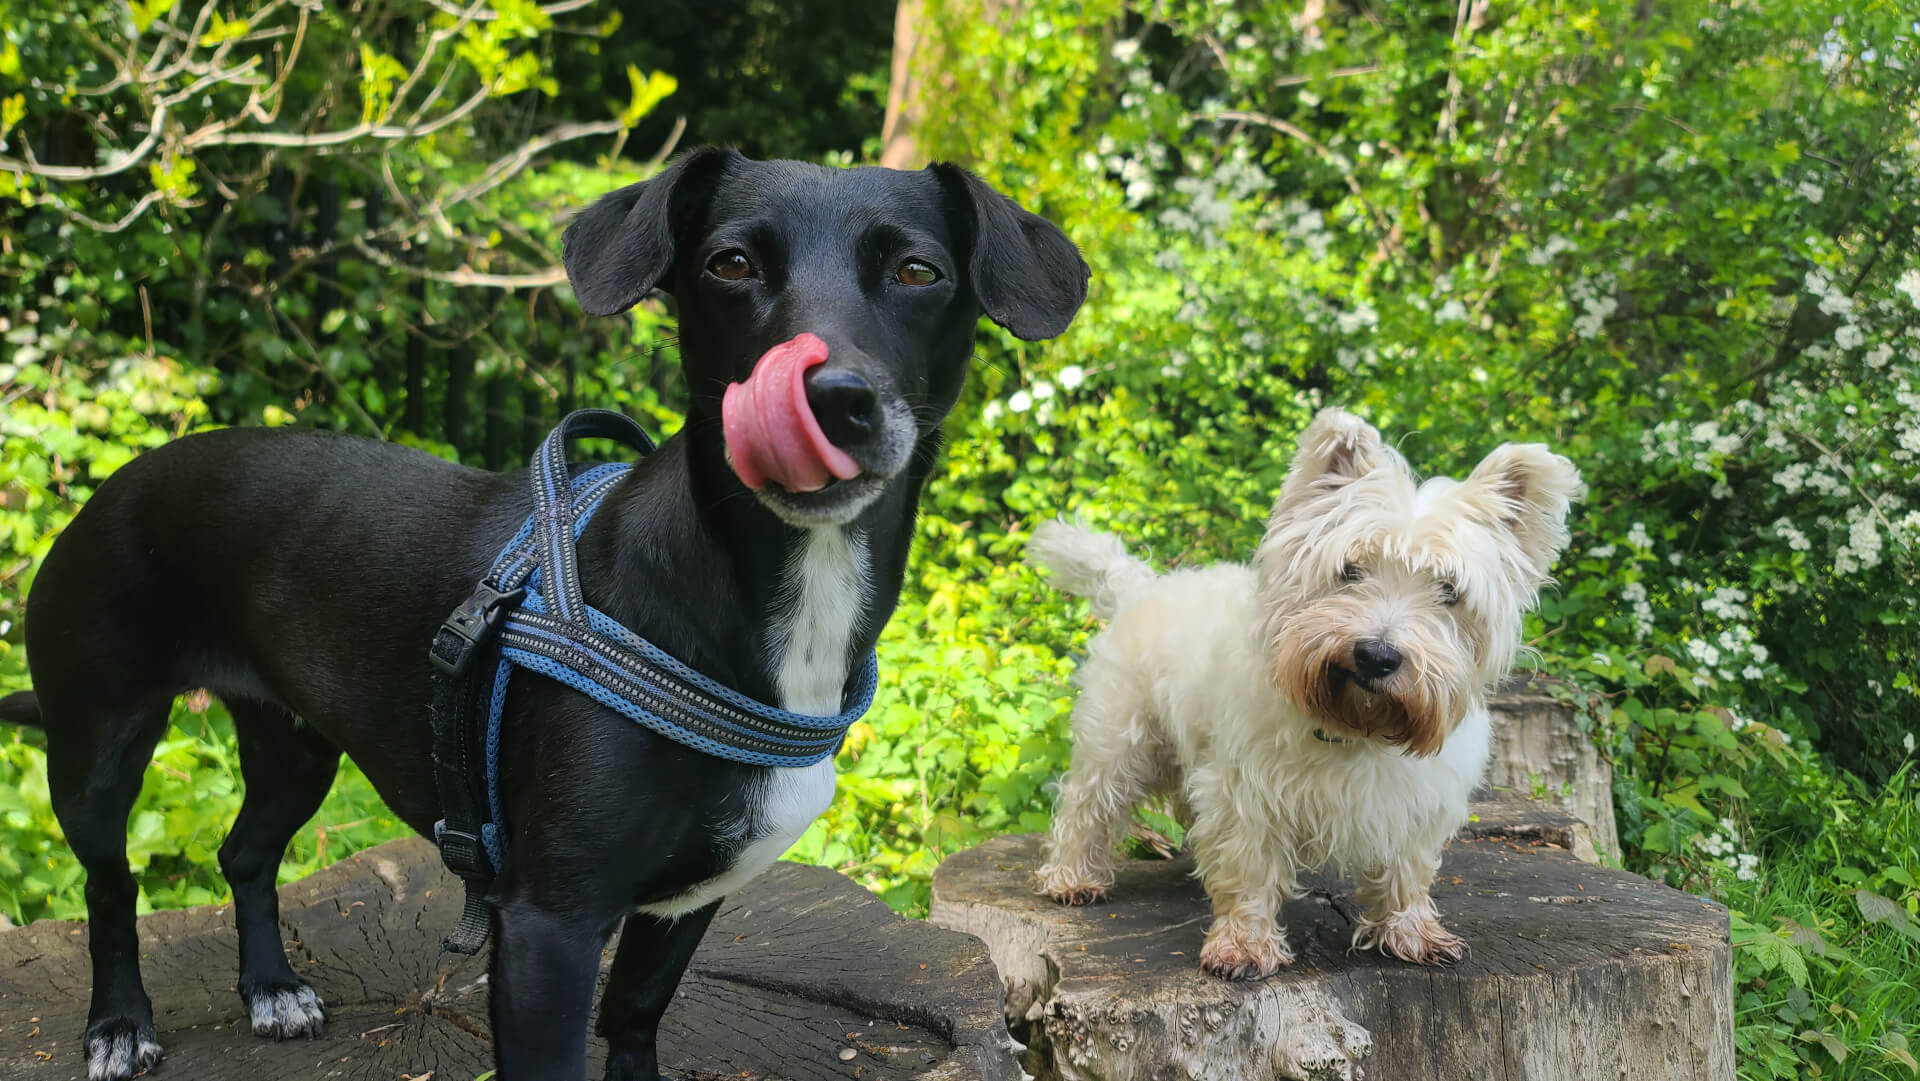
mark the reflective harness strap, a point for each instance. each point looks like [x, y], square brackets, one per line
[532, 602]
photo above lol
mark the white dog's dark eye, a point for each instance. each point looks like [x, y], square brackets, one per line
[1449, 594]
[1352, 572]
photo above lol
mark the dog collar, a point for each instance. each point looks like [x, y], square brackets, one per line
[1321, 735]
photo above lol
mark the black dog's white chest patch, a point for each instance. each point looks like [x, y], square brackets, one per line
[828, 583]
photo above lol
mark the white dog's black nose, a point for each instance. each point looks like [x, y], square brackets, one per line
[845, 404]
[1375, 659]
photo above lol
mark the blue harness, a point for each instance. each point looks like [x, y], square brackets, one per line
[531, 602]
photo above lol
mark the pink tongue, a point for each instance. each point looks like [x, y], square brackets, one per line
[771, 432]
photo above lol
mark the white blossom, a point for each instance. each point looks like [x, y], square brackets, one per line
[1072, 376]
[1362, 317]
[1020, 401]
[1909, 284]
[1547, 252]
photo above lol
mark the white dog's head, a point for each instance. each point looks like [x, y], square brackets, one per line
[1392, 605]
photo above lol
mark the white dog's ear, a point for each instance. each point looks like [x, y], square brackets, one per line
[1525, 489]
[1336, 448]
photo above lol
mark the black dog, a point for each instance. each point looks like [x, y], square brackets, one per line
[301, 575]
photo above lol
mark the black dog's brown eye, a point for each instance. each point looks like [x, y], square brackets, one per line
[1449, 594]
[1352, 573]
[731, 265]
[915, 272]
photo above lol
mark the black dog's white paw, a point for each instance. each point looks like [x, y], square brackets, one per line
[283, 1010]
[118, 1049]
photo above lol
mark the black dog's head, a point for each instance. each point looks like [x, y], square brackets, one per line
[842, 302]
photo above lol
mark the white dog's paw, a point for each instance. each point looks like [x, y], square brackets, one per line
[1411, 936]
[284, 1010]
[1239, 956]
[1069, 887]
[118, 1050]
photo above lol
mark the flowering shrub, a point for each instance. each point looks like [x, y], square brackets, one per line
[1677, 242]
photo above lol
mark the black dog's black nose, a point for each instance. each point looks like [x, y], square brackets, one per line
[1375, 659]
[845, 404]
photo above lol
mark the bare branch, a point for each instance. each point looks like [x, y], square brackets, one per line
[1336, 73]
[92, 172]
[536, 280]
[560, 8]
[510, 166]
[127, 219]
[213, 135]
[673, 140]
[1340, 163]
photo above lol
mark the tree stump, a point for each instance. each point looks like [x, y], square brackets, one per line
[1539, 749]
[1577, 973]
[797, 971]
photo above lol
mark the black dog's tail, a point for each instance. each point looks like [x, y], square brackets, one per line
[22, 707]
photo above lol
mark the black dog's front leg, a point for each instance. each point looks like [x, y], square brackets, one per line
[653, 955]
[545, 963]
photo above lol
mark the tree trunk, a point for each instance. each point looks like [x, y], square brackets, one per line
[803, 976]
[1539, 752]
[898, 147]
[1576, 973]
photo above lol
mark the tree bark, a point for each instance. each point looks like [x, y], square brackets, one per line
[804, 976]
[1576, 972]
[899, 148]
[1540, 752]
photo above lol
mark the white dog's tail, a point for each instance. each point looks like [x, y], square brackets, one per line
[1087, 564]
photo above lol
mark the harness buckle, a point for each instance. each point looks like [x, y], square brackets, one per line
[458, 642]
[462, 851]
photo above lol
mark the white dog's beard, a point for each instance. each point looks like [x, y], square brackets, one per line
[1409, 709]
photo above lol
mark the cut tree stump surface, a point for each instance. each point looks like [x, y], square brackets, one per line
[1577, 973]
[799, 968]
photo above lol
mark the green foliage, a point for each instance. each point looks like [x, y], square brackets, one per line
[191, 793]
[1676, 242]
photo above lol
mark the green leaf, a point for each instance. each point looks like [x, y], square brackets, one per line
[648, 91]
[1877, 909]
[1833, 1044]
[13, 108]
[221, 29]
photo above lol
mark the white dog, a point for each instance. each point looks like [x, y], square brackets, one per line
[1324, 705]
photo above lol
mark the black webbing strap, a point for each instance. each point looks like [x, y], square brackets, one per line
[456, 693]
[462, 657]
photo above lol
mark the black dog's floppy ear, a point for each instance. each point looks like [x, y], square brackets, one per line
[619, 248]
[1026, 274]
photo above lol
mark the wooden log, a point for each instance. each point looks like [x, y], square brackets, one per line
[1577, 973]
[1540, 751]
[799, 969]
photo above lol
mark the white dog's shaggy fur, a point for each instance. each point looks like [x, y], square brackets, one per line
[1323, 705]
